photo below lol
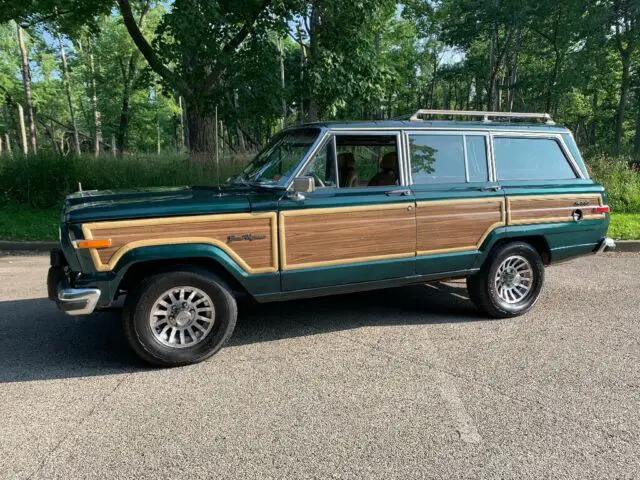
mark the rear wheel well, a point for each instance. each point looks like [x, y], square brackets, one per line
[536, 241]
[139, 271]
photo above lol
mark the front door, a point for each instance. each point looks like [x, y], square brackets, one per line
[359, 223]
[457, 204]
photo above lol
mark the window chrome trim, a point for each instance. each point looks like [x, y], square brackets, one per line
[466, 158]
[557, 137]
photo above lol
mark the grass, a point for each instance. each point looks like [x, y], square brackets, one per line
[22, 222]
[625, 226]
[44, 180]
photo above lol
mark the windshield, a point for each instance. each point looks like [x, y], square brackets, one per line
[276, 162]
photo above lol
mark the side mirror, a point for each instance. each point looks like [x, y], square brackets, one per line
[304, 184]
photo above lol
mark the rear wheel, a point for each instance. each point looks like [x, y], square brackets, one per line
[510, 281]
[180, 317]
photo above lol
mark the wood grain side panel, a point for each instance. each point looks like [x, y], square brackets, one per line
[328, 238]
[549, 209]
[256, 255]
[453, 226]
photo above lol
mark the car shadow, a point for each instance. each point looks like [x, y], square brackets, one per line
[38, 342]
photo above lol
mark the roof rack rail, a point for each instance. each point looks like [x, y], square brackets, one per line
[486, 116]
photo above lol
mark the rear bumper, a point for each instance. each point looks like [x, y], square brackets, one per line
[606, 245]
[72, 301]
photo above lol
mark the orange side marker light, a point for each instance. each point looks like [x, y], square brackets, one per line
[93, 243]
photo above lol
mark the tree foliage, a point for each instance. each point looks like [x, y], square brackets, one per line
[164, 71]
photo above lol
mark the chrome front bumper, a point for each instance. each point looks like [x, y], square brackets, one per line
[606, 245]
[78, 301]
[72, 301]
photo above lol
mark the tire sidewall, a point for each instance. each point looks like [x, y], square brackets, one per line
[224, 321]
[537, 266]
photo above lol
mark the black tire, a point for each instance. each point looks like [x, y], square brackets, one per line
[482, 285]
[137, 311]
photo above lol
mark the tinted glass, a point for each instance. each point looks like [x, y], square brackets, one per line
[531, 159]
[437, 159]
[367, 160]
[477, 158]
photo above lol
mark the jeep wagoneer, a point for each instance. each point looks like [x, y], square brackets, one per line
[331, 208]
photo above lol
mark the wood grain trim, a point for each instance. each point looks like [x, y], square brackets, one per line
[286, 266]
[100, 266]
[550, 211]
[495, 201]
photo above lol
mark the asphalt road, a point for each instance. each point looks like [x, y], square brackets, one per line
[405, 383]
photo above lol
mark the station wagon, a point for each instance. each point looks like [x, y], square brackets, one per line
[333, 208]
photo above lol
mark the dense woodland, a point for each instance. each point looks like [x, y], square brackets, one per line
[126, 76]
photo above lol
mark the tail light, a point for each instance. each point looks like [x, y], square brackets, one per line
[601, 209]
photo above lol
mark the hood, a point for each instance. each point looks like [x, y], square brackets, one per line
[100, 205]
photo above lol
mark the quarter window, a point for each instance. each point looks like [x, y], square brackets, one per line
[531, 159]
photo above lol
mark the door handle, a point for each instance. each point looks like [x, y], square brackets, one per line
[493, 188]
[400, 193]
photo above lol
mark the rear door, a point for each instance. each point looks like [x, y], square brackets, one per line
[547, 193]
[458, 201]
[359, 223]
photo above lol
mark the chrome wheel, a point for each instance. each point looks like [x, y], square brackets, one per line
[514, 279]
[182, 317]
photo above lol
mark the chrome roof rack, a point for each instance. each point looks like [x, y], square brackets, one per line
[486, 116]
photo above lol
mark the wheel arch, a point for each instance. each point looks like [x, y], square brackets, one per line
[145, 261]
[539, 242]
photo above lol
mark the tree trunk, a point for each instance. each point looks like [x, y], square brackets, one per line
[624, 96]
[637, 140]
[23, 131]
[123, 125]
[513, 71]
[7, 142]
[314, 51]
[280, 47]
[593, 129]
[181, 141]
[26, 80]
[67, 89]
[201, 128]
[97, 120]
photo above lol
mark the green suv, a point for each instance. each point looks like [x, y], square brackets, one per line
[332, 208]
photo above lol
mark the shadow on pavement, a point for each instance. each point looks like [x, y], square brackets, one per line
[37, 342]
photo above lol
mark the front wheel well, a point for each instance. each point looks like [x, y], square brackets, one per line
[139, 271]
[536, 241]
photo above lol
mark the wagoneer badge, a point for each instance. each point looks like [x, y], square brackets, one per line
[582, 203]
[246, 237]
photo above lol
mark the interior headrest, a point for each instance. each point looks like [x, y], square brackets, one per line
[389, 161]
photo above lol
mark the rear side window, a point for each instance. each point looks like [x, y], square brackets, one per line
[441, 158]
[437, 158]
[531, 159]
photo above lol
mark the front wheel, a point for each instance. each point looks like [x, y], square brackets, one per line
[180, 317]
[510, 281]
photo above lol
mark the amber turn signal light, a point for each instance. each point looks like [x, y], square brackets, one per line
[93, 243]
